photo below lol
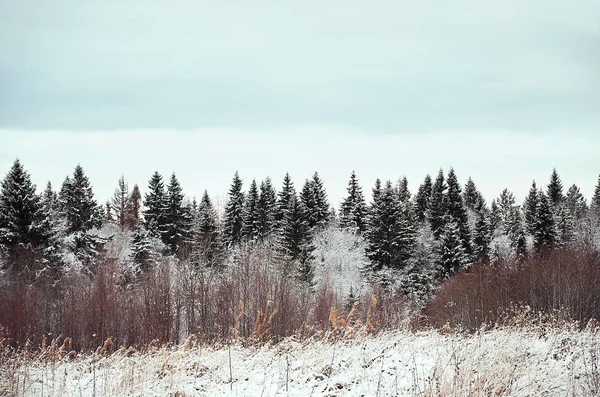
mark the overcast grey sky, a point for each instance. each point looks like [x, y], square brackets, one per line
[501, 90]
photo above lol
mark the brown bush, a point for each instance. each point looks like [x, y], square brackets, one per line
[564, 283]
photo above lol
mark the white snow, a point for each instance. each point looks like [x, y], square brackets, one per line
[511, 362]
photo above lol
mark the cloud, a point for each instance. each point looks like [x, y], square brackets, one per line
[382, 66]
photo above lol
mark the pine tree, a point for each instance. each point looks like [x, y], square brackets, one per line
[143, 253]
[438, 204]
[52, 261]
[390, 235]
[403, 192]
[296, 240]
[516, 232]
[22, 216]
[456, 210]
[422, 199]
[575, 203]
[177, 227]
[482, 237]
[155, 206]
[121, 201]
[283, 201]
[133, 209]
[314, 198]
[544, 236]
[471, 196]
[251, 223]
[207, 233]
[495, 218]
[267, 209]
[353, 211]
[530, 206]
[452, 253]
[595, 204]
[555, 189]
[81, 211]
[506, 203]
[82, 214]
[234, 213]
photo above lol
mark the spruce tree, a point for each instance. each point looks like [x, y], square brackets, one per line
[251, 225]
[296, 241]
[391, 234]
[177, 227]
[283, 201]
[437, 204]
[471, 196]
[544, 237]
[555, 189]
[52, 258]
[208, 246]
[22, 232]
[155, 206]
[314, 198]
[81, 211]
[143, 253]
[403, 192]
[506, 203]
[481, 237]
[495, 218]
[133, 209]
[530, 208]
[516, 232]
[121, 202]
[234, 213]
[353, 210]
[452, 252]
[267, 209]
[82, 214]
[595, 204]
[565, 225]
[457, 211]
[575, 203]
[422, 199]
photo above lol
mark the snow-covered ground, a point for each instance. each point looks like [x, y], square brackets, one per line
[499, 362]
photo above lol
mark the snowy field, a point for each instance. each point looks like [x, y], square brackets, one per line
[500, 362]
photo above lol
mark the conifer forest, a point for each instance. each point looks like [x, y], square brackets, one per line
[277, 259]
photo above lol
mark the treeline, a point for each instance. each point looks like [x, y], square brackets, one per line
[181, 266]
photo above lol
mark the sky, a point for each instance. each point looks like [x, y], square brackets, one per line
[503, 91]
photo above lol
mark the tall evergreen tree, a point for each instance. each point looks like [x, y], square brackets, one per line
[506, 203]
[438, 204]
[283, 201]
[353, 211]
[121, 201]
[22, 216]
[81, 210]
[155, 204]
[143, 252]
[481, 237]
[471, 196]
[133, 210]
[314, 198]
[267, 209]
[576, 203]
[530, 208]
[544, 236]
[296, 240]
[208, 247]
[251, 224]
[390, 234]
[495, 218]
[403, 192]
[555, 189]
[452, 252]
[422, 199]
[595, 204]
[234, 213]
[82, 214]
[516, 232]
[177, 227]
[456, 210]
